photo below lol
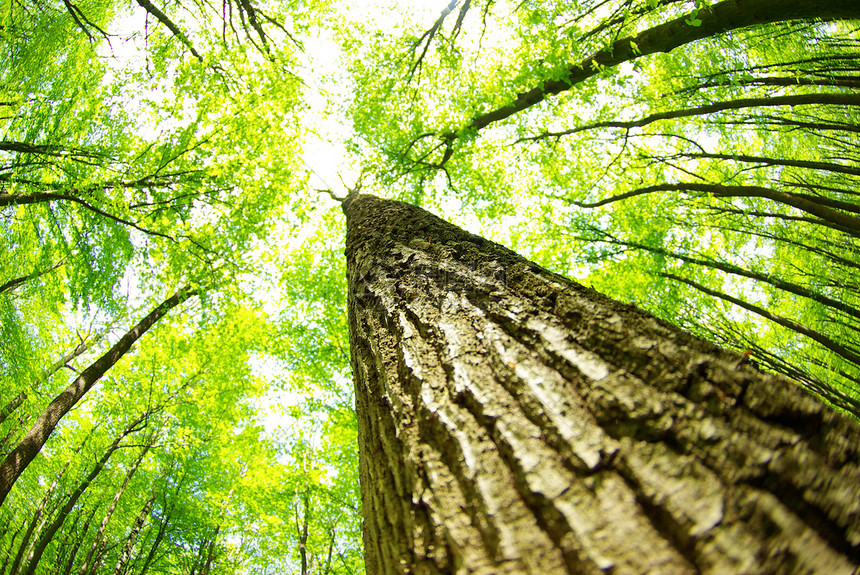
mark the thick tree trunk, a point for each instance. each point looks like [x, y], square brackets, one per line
[513, 421]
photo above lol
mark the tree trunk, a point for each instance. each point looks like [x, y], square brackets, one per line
[91, 563]
[60, 518]
[78, 542]
[7, 562]
[125, 555]
[513, 421]
[29, 447]
[159, 537]
[27, 544]
[13, 404]
[16, 402]
[210, 553]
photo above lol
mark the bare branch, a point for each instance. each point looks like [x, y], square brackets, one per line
[839, 349]
[82, 21]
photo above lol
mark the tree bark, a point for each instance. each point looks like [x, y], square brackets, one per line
[513, 421]
[122, 563]
[16, 402]
[29, 447]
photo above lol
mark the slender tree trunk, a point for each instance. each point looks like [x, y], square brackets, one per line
[70, 538]
[513, 421]
[29, 447]
[13, 404]
[202, 559]
[125, 555]
[302, 527]
[11, 433]
[159, 537]
[80, 541]
[28, 542]
[210, 553]
[7, 562]
[331, 540]
[92, 560]
[58, 521]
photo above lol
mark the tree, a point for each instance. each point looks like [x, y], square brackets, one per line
[698, 159]
[513, 421]
[20, 457]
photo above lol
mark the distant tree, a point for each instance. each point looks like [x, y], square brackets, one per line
[20, 457]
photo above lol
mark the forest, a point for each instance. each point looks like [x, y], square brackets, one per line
[176, 392]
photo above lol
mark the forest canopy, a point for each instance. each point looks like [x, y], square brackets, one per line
[168, 177]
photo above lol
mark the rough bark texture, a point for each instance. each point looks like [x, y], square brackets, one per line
[513, 421]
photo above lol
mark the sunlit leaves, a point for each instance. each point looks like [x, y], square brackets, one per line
[757, 107]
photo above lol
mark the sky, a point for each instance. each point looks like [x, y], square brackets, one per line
[324, 72]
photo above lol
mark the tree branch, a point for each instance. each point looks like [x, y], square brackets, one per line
[162, 17]
[46, 197]
[809, 204]
[796, 100]
[716, 19]
[835, 347]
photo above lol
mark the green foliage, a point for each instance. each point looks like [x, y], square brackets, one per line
[132, 162]
[766, 107]
[147, 148]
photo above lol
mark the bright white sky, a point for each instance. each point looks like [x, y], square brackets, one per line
[326, 155]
